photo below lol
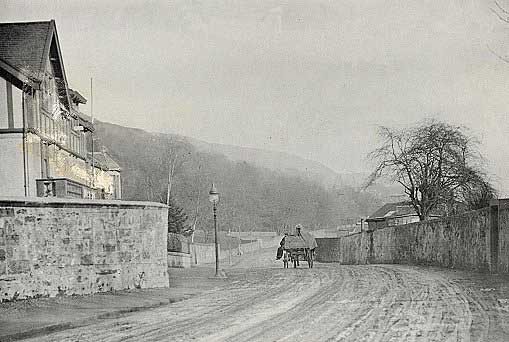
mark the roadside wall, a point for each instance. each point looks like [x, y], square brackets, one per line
[328, 250]
[249, 235]
[204, 253]
[271, 242]
[351, 249]
[179, 260]
[52, 246]
[178, 243]
[459, 241]
[251, 246]
[502, 253]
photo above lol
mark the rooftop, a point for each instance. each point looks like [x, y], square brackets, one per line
[23, 45]
[103, 160]
[392, 210]
[24, 49]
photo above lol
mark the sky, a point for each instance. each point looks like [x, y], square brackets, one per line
[312, 78]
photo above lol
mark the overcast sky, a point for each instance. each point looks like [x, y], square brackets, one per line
[313, 78]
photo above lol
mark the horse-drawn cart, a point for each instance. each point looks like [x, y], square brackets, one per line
[296, 248]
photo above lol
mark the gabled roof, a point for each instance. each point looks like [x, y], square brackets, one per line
[103, 160]
[23, 45]
[24, 48]
[392, 210]
[76, 97]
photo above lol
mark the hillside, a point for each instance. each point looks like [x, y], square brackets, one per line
[252, 197]
[300, 167]
[276, 161]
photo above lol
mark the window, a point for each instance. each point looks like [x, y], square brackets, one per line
[50, 93]
[17, 107]
[45, 121]
[51, 127]
[116, 186]
[30, 112]
[11, 105]
[3, 104]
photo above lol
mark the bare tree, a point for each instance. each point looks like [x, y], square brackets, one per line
[503, 15]
[192, 229]
[501, 12]
[171, 172]
[436, 164]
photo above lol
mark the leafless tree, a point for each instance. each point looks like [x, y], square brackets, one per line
[171, 171]
[192, 229]
[436, 163]
[500, 12]
[503, 15]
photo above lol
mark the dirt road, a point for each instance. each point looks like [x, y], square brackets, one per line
[261, 301]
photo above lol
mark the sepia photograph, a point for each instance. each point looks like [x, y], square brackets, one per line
[254, 170]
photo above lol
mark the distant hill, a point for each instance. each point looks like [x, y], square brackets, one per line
[300, 167]
[277, 161]
[260, 190]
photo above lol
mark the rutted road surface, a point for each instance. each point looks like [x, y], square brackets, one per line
[261, 301]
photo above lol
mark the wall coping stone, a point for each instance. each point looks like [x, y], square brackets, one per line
[8, 201]
[186, 255]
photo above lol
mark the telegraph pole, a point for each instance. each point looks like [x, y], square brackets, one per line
[92, 132]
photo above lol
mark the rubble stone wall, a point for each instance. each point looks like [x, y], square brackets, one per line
[52, 247]
[179, 260]
[203, 253]
[458, 242]
[503, 238]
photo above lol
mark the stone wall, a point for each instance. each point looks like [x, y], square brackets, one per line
[179, 260]
[503, 237]
[351, 249]
[52, 247]
[202, 253]
[329, 249]
[461, 241]
[270, 242]
[178, 243]
[457, 242]
[250, 246]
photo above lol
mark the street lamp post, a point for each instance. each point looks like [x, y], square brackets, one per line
[214, 199]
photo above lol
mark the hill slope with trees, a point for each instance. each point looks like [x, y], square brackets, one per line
[252, 197]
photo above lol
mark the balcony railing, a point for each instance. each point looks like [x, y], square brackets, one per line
[66, 188]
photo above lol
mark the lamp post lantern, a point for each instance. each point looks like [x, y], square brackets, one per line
[214, 199]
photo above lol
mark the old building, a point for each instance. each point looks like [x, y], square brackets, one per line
[44, 137]
[393, 214]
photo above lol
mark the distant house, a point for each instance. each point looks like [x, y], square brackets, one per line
[43, 134]
[393, 214]
[103, 160]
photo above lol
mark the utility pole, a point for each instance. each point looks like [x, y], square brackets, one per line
[92, 132]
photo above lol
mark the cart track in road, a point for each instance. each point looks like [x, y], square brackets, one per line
[261, 301]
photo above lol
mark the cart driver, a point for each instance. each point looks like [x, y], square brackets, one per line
[298, 230]
[280, 249]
